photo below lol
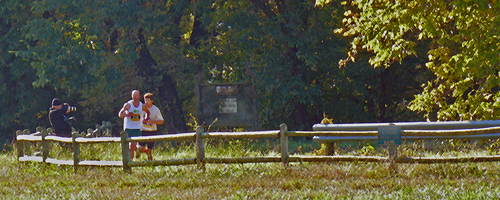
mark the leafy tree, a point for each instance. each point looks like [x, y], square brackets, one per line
[21, 107]
[463, 50]
[289, 51]
[361, 93]
[95, 53]
[283, 47]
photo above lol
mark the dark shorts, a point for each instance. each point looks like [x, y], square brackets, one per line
[149, 144]
[133, 132]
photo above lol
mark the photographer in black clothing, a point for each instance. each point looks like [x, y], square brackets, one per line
[58, 118]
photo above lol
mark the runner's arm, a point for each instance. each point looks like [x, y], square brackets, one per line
[124, 111]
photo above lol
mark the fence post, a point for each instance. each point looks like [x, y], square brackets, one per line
[200, 147]
[284, 144]
[103, 130]
[39, 129]
[89, 133]
[330, 148]
[391, 136]
[125, 151]
[20, 145]
[27, 144]
[76, 150]
[45, 146]
[393, 154]
[97, 131]
[110, 131]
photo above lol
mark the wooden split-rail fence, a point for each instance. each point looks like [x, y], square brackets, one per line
[478, 132]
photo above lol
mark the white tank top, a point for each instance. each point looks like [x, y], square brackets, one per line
[135, 121]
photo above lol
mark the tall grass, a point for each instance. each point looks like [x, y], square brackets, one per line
[339, 180]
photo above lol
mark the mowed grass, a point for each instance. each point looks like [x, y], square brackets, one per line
[340, 180]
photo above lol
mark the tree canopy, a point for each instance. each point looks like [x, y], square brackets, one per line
[463, 49]
[91, 54]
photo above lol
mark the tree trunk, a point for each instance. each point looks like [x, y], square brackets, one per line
[167, 91]
[173, 115]
[198, 33]
[382, 100]
[176, 19]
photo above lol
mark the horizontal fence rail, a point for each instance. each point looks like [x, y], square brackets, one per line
[43, 137]
[406, 138]
[242, 135]
[333, 136]
[97, 140]
[432, 160]
[336, 159]
[158, 138]
[172, 162]
[59, 139]
[199, 138]
[30, 138]
[243, 160]
[408, 125]
[330, 133]
[323, 135]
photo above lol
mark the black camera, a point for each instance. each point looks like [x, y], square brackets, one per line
[68, 107]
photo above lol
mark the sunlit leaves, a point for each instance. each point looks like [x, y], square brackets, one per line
[322, 2]
[463, 55]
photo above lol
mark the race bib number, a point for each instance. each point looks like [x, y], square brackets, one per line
[136, 116]
[147, 126]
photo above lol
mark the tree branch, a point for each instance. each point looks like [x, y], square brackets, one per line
[263, 6]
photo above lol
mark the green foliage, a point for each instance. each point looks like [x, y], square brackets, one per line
[21, 101]
[494, 147]
[91, 54]
[367, 150]
[85, 53]
[462, 53]
[287, 51]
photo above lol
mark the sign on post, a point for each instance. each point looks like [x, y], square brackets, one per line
[386, 134]
[227, 104]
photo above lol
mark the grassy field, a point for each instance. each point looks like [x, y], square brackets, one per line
[342, 180]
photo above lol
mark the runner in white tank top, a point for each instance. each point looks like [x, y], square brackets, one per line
[132, 123]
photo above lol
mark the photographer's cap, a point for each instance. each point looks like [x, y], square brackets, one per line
[56, 102]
